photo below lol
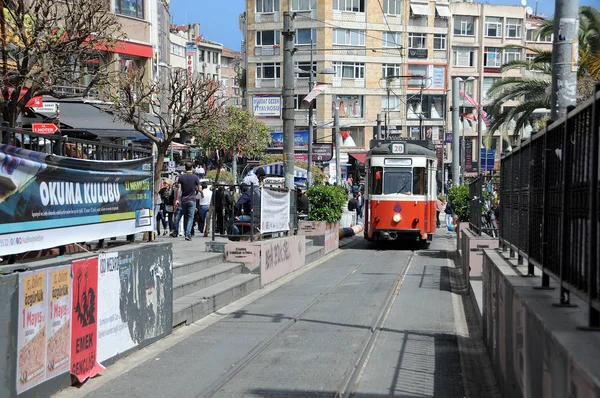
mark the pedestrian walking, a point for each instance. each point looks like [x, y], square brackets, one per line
[169, 200]
[205, 199]
[186, 199]
[361, 204]
[353, 205]
[449, 213]
[439, 207]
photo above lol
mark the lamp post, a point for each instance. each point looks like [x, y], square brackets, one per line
[311, 83]
[463, 144]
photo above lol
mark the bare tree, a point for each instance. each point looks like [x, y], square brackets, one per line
[186, 103]
[53, 44]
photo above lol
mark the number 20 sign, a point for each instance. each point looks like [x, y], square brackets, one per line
[398, 148]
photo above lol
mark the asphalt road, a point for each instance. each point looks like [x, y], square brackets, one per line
[370, 322]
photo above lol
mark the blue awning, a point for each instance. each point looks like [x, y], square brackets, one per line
[278, 170]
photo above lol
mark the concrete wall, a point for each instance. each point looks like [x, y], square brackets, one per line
[536, 350]
[472, 252]
[132, 302]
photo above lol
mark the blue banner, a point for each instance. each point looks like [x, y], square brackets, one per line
[300, 139]
[487, 158]
[48, 201]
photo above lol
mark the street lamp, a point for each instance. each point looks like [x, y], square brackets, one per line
[326, 71]
[462, 128]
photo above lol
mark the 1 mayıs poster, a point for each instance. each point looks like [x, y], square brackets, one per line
[31, 341]
[58, 351]
[114, 336]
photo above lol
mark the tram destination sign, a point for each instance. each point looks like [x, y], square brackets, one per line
[398, 148]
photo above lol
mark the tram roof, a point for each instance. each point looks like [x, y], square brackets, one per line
[411, 147]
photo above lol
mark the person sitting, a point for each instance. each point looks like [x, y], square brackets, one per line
[250, 197]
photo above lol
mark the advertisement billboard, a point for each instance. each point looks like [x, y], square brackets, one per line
[266, 106]
[48, 201]
[300, 139]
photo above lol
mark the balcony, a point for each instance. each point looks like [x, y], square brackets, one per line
[305, 15]
[268, 83]
[392, 19]
[417, 20]
[349, 50]
[440, 23]
[349, 16]
[264, 17]
[267, 50]
[440, 54]
[301, 82]
[348, 83]
[395, 83]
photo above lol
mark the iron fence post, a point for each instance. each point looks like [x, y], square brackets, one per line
[252, 212]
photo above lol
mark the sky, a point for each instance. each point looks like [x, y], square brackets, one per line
[219, 19]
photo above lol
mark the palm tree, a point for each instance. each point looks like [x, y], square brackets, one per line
[535, 92]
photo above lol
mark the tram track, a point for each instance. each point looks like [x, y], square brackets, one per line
[354, 373]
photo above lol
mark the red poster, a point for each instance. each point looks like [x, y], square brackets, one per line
[84, 318]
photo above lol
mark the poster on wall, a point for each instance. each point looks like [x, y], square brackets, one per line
[47, 200]
[266, 106]
[274, 211]
[31, 340]
[58, 351]
[113, 330]
[350, 106]
[84, 314]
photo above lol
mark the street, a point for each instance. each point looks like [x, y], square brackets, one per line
[371, 321]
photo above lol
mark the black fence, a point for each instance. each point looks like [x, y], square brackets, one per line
[482, 217]
[243, 222]
[63, 145]
[549, 204]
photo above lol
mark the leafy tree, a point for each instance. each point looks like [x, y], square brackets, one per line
[225, 177]
[235, 132]
[326, 202]
[459, 199]
[49, 45]
[181, 104]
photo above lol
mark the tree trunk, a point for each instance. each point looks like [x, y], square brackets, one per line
[209, 217]
[158, 168]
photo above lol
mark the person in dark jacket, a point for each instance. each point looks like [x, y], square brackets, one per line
[353, 205]
[302, 203]
[219, 202]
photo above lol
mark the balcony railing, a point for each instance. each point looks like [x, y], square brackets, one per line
[268, 83]
[348, 50]
[392, 19]
[417, 21]
[349, 16]
[349, 83]
[267, 50]
[263, 17]
[549, 194]
[439, 54]
[440, 23]
[301, 82]
[305, 15]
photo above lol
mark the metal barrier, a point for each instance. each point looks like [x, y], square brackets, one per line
[248, 227]
[71, 147]
[549, 204]
[481, 219]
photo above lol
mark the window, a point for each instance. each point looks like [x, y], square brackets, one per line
[439, 41]
[349, 70]
[391, 39]
[393, 7]
[488, 82]
[349, 37]
[349, 5]
[225, 61]
[225, 83]
[513, 28]
[375, 180]
[391, 103]
[201, 55]
[215, 77]
[417, 40]
[299, 105]
[492, 58]
[530, 36]
[267, 37]
[208, 56]
[130, 8]
[268, 71]
[389, 70]
[305, 36]
[463, 25]
[463, 56]
[304, 5]
[397, 180]
[350, 106]
[215, 58]
[176, 49]
[512, 54]
[267, 5]
[306, 66]
[419, 72]
[493, 26]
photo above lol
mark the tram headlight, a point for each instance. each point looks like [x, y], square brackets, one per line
[396, 218]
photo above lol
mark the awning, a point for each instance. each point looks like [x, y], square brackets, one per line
[278, 170]
[361, 157]
[443, 10]
[177, 146]
[419, 9]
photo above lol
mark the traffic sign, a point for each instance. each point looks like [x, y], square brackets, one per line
[172, 164]
[44, 128]
[486, 158]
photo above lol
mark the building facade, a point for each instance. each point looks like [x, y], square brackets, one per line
[231, 65]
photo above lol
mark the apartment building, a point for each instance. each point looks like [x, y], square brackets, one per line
[231, 65]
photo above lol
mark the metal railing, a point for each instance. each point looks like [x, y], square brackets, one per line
[549, 196]
[482, 219]
[244, 222]
[63, 145]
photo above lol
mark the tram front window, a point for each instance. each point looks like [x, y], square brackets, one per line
[397, 180]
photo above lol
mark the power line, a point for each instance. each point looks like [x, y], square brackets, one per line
[389, 28]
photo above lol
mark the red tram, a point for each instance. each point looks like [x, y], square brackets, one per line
[400, 191]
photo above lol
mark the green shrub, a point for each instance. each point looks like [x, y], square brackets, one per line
[326, 202]
[225, 177]
[459, 198]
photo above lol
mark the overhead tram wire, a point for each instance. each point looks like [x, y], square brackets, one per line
[389, 28]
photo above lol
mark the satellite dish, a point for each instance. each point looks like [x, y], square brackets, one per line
[523, 3]
[529, 10]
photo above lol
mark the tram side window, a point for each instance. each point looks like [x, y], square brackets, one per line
[376, 181]
[419, 181]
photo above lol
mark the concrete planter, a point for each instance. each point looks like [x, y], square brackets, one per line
[321, 233]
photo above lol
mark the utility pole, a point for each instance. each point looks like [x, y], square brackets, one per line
[565, 57]
[288, 98]
[377, 133]
[455, 132]
[421, 112]
[310, 119]
[338, 166]
[479, 121]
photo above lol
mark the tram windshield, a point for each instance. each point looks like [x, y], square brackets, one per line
[397, 180]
